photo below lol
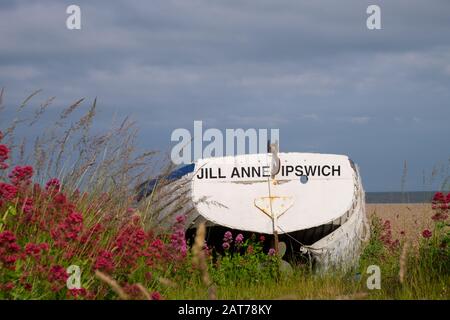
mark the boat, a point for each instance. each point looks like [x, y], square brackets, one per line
[312, 203]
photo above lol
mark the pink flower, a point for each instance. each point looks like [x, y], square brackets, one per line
[239, 239]
[27, 206]
[206, 249]
[178, 239]
[156, 295]
[9, 250]
[77, 293]
[68, 230]
[21, 175]
[4, 153]
[438, 197]
[7, 237]
[271, 252]
[53, 185]
[7, 191]
[181, 219]
[130, 243]
[426, 233]
[439, 217]
[228, 237]
[262, 238]
[8, 286]
[104, 262]
[226, 245]
[57, 273]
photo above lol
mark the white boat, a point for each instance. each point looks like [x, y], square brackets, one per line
[312, 202]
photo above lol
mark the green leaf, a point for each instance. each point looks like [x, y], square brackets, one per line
[11, 210]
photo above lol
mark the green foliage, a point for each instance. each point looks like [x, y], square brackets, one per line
[246, 263]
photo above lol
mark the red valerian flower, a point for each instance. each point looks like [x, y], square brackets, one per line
[227, 240]
[155, 251]
[68, 230]
[53, 185]
[178, 239]
[440, 216]
[35, 250]
[228, 237]
[447, 199]
[438, 197]
[75, 293]
[130, 243]
[8, 286]
[239, 239]
[21, 175]
[7, 191]
[27, 206]
[104, 262]
[32, 249]
[156, 295]
[57, 273]
[4, 155]
[7, 237]
[206, 249]
[132, 290]
[426, 233]
[9, 249]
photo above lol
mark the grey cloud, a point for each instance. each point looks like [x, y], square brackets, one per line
[311, 69]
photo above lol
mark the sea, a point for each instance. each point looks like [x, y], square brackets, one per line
[400, 197]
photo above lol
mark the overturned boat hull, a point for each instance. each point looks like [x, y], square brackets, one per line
[313, 202]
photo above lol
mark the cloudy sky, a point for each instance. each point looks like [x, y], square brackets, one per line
[310, 68]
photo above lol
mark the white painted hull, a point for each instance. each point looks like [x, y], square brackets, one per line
[329, 206]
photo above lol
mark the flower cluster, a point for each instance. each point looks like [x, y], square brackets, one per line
[53, 185]
[4, 155]
[178, 239]
[35, 250]
[68, 230]
[129, 243]
[9, 250]
[239, 240]
[57, 276]
[7, 193]
[104, 261]
[440, 205]
[43, 230]
[386, 236]
[441, 201]
[21, 176]
[227, 240]
[426, 233]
